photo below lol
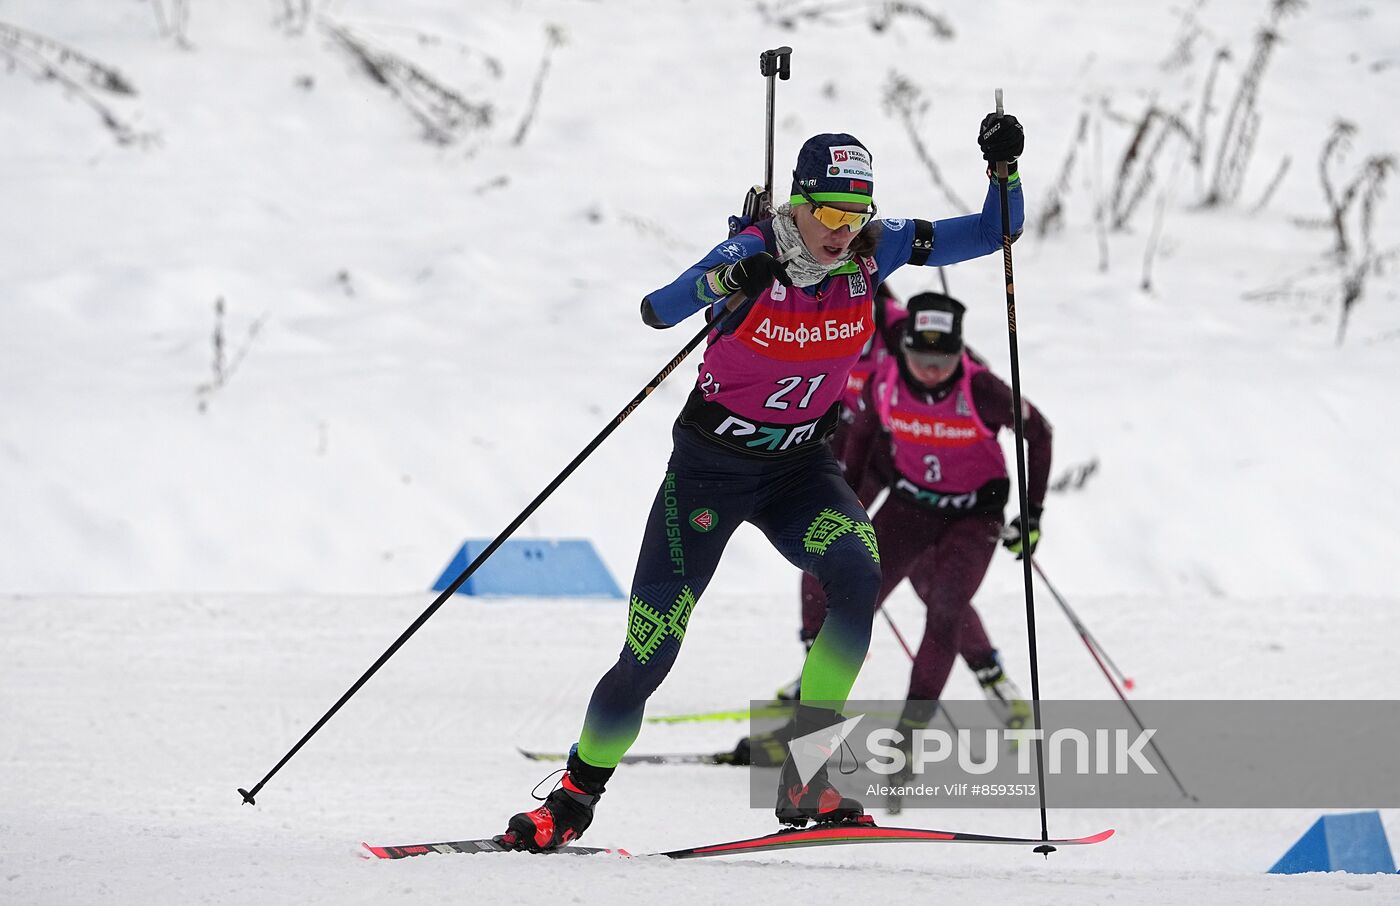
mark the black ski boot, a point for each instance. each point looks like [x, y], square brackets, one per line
[1006, 700]
[566, 813]
[816, 800]
[763, 750]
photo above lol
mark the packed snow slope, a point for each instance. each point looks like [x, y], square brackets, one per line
[336, 285]
[130, 722]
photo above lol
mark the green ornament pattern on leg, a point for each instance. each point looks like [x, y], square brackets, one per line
[825, 529]
[866, 531]
[831, 525]
[648, 628]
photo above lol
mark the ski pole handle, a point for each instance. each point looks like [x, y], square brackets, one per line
[1003, 169]
[737, 299]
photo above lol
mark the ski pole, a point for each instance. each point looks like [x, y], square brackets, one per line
[731, 304]
[1083, 630]
[1003, 172]
[1095, 650]
[899, 636]
[1138, 720]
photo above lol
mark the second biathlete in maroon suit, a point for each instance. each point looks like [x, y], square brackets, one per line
[874, 475]
[932, 413]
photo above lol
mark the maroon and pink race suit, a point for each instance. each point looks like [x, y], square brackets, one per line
[942, 451]
[941, 523]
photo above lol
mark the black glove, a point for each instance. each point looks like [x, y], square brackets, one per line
[753, 274]
[1001, 138]
[1022, 532]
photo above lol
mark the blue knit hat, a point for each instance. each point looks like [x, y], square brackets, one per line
[833, 167]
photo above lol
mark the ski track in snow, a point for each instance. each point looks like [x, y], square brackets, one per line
[141, 715]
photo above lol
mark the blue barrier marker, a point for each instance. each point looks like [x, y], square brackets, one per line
[544, 568]
[1354, 843]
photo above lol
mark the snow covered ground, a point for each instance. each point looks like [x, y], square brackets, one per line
[132, 721]
[425, 333]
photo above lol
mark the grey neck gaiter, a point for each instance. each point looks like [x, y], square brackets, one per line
[802, 267]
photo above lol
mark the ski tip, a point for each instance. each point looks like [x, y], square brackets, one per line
[541, 756]
[1097, 838]
[373, 852]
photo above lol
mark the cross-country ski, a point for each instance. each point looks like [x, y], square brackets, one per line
[841, 835]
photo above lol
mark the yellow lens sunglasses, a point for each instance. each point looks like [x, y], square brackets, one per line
[835, 218]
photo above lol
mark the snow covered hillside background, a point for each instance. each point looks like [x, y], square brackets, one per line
[298, 294]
